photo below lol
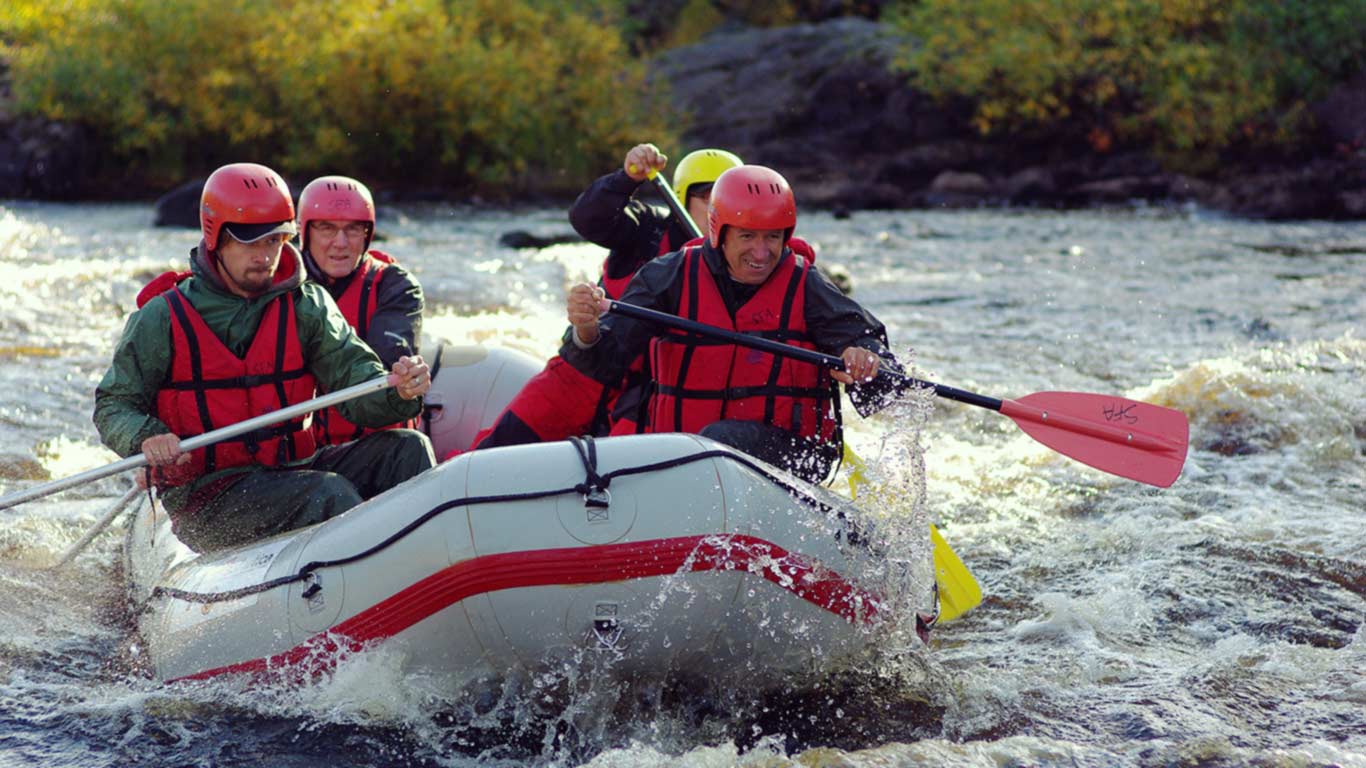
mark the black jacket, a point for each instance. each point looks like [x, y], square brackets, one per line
[608, 214]
[833, 320]
[396, 325]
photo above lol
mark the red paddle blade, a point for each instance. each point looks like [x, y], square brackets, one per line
[1140, 441]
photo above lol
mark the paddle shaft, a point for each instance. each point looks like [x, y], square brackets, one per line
[114, 512]
[787, 350]
[767, 345]
[206, 439]
[675, 204]
[1011, 408]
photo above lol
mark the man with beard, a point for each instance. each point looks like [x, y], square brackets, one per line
[240, 335]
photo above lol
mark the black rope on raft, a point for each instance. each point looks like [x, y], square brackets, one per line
[586, 452]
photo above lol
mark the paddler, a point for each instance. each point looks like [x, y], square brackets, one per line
[559, 402]
[239, 335]
[380, 299]
[744, 277]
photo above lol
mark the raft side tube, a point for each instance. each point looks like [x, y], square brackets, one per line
[470, 388]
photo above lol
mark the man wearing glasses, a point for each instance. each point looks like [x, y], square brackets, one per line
[380, 299]
[239, 335]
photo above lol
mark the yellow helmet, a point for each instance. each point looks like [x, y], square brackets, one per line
[702, 166]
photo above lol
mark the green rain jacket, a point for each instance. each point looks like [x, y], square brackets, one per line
[125, 400]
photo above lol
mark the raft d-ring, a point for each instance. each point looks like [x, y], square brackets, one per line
[597, 498]
[314, 587]
[608, 635]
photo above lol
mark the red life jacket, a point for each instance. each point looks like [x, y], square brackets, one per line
[358, 303]
[700, 381]
[635, 373]
[210, 387]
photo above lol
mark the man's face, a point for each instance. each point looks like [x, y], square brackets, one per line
[697, 206]
[751, 254]
[336, 246]
[248, 269]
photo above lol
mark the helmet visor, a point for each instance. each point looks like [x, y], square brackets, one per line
[250, 233]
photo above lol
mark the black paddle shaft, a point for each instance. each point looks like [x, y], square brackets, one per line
[675, 205]
[796, 353]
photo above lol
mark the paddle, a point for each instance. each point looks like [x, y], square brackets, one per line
[206, 439]
[109, 517]
[1132, 439]
[675, 205]
[958, 590]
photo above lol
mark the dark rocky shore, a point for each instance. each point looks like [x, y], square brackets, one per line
[818, 102]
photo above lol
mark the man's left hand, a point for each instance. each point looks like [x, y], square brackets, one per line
[414, 377]
[860, 366]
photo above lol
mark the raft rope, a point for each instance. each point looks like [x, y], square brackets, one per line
[594, 488]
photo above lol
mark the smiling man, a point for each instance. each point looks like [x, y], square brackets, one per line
[239, 335]
[744, 278]
[559, 402]
[381, 300]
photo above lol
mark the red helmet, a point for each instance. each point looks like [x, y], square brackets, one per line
[753, 197]
[245, 193]
[338, 198]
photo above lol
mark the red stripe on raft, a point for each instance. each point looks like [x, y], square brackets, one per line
[572, 565]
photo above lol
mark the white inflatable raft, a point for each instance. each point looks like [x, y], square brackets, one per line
[671, 553]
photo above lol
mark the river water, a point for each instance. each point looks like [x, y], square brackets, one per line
[1215, 623]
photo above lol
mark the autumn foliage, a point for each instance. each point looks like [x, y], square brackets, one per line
[1188, 78]
[499, 95]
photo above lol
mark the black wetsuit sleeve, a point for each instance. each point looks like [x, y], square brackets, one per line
[658, 286]
[607, 214]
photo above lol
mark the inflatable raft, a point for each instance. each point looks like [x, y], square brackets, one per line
[669, 553]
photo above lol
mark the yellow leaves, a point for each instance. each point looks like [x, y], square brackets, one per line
[695, 20]
[1102, 26]
[1103, 90]
[472, 91]
[218, 78]
[1167, 73]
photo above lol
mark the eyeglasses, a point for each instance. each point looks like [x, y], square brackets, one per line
[327, 230]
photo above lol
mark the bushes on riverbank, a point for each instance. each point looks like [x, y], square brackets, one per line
[1187, 77]
[492, 95]
[481, 96]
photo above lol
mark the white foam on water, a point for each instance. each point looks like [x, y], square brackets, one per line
[1123, 624]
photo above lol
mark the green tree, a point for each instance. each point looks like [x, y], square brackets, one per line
[1188, 78]
[495, 96]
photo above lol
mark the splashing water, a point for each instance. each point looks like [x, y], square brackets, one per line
[1214, 623]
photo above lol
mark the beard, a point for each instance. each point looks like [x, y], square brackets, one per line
[253, 280]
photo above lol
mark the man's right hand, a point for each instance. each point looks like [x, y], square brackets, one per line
[164, 450]
[641, 159]
[584, 306]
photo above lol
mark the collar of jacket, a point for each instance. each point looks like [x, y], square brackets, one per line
[288, 276]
